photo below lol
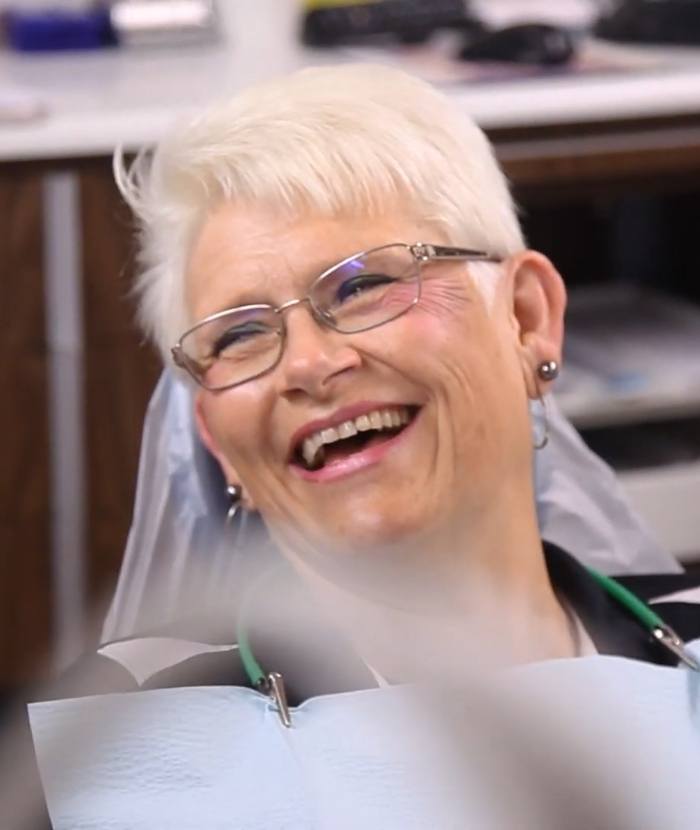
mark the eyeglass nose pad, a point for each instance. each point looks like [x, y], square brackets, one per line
[324, 316]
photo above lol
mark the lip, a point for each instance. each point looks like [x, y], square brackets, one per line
[343, 467]
[346, 413]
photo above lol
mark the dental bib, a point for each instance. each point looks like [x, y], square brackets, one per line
[598, 739]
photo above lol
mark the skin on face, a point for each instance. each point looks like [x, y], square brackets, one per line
[469, 369]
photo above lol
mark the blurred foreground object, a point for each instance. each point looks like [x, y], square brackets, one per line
[180, 508]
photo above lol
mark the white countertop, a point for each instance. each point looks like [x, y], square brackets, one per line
[96, 100]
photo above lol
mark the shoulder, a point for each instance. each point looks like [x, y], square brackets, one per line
[681, 587]
[675, 597]
[150, 662]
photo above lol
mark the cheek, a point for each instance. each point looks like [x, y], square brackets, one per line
[470, 360]
[453, 331]
[453, 313]
[432, 338]
[236, 419]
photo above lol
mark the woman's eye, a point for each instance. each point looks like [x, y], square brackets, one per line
[237, 336]
[361, 284]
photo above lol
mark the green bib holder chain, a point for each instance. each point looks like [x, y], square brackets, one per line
[272, 683]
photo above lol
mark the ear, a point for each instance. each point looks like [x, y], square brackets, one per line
[538, 302]
[207, 438]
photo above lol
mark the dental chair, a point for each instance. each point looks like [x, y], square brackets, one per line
[180, 551]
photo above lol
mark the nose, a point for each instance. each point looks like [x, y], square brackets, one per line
[314, 356]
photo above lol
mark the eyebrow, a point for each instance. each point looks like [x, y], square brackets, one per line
[248, 295]
[246, 298]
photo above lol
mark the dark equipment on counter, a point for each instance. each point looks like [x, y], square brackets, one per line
[409, 21]
[652, 21]
[529, 43]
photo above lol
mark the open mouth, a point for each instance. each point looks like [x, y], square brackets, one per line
[352, 436]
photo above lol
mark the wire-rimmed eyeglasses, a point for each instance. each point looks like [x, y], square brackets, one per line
[359, 293]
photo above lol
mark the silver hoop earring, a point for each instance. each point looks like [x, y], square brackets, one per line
[548, 370]
[235, 497]
[542, 442]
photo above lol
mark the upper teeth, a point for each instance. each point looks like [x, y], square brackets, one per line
[378, 419]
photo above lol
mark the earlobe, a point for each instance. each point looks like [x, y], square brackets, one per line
[538, 304]
[207, 437]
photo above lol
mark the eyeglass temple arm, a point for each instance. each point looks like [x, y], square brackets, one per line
[181, 360]
[428, 252]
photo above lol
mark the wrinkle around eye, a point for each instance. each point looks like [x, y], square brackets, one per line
[442, 297]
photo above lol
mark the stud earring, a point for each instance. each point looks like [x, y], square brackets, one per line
[235, 498]
[548, 370]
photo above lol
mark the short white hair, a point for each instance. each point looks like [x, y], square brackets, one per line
[331, 141]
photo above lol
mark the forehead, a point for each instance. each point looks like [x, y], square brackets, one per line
[245, 254]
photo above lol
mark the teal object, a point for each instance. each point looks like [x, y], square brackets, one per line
[647, 618]
[642, 613]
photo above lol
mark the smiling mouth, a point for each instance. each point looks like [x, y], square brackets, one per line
[352, 436]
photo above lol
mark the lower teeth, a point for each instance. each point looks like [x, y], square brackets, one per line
[356, 445]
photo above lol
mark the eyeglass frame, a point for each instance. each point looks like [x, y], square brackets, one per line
[422, 252]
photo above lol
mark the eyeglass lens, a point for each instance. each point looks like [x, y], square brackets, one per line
[358, 294]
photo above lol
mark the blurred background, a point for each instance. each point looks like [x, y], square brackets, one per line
[594, 110]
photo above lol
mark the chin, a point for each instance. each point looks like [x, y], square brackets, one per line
[372, 533]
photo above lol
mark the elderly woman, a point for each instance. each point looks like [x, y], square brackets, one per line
[335, 261]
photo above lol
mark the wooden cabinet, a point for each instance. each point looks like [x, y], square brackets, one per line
[119, 374]
[25, 569]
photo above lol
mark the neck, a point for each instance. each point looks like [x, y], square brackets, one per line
[481, 597]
